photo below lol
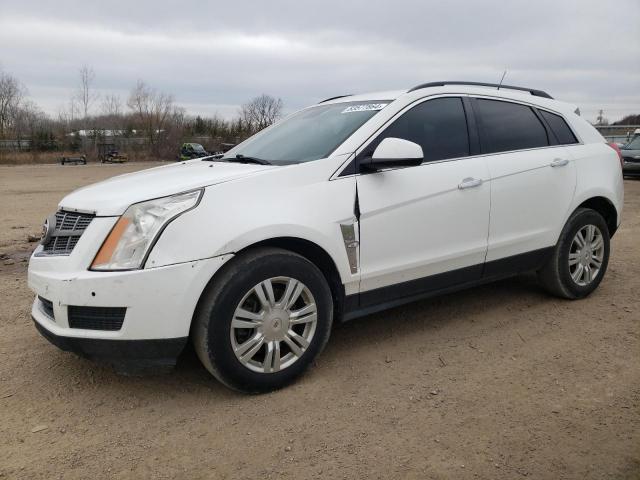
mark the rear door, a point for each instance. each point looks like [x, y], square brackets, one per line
[532, 183]
[424, 228]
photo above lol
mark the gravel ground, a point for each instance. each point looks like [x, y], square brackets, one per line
[497, 382]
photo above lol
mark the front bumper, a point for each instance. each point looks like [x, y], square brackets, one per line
[160, 303]
[126, 356]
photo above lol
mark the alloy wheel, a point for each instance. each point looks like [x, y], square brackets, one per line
[586, 255]
[273, 325]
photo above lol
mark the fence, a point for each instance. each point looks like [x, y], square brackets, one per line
[617, 133]
[6, 145]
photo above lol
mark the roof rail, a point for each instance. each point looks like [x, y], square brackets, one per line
[335, 98]
[532, 91]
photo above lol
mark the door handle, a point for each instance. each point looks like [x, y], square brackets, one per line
[470, 182]
[559, 162]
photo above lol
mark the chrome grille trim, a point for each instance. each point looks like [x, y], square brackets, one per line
[69, 228]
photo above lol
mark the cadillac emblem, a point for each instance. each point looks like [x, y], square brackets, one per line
[48, 227]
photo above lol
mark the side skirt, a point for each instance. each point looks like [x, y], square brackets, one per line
[372, 301]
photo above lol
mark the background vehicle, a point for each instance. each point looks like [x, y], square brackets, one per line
[74, 159]
[107, 153]
[351, 206]
[631, 155]
[192, 150]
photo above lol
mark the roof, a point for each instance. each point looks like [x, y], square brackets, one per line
[437, 88]
[446, 86]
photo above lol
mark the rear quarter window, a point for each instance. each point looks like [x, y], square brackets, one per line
[559, 127]
[509, 126]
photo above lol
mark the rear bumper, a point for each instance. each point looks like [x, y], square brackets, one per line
[126, 356]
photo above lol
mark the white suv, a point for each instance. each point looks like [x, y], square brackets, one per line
[347, 207]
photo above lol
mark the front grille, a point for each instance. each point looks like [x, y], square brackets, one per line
[47, 307]
[72, 220]
[61, 245]
[96, 318]
[69, 228]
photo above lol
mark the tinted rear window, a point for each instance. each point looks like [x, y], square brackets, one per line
[510, 126]
[559, 127]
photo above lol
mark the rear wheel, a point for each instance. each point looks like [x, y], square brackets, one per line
[580, 258]
[262, 321]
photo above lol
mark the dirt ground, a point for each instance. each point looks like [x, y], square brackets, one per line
[497, 382]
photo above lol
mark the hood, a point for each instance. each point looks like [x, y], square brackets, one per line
[112, 197]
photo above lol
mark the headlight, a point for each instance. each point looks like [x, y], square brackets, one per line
[135, 232]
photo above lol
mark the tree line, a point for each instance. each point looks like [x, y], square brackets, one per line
[147, 114]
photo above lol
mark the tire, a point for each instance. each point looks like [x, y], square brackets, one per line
[237, 285]
[556, 275]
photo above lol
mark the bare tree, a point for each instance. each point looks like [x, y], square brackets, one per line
[29, 120]
[11, 93]
[74, 109]
[85, 94]
[261, 112]
[153, 110]
[111, 105]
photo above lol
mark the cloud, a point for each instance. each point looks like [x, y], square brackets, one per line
[214, 57]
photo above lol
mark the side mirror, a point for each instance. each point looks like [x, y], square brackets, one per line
[394, 153]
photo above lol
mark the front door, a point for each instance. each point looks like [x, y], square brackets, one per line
[424, 228]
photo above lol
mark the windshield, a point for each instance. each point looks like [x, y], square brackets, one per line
[310, 134]
[634, 144]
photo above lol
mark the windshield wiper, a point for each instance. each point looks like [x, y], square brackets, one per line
[209, 158]
[242, 159]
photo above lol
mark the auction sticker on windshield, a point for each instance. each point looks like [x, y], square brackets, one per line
[366, 107]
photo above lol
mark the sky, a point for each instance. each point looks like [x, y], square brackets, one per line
[213, 56]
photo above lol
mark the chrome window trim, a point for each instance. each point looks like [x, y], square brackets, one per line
[457, 159]
[345, 164]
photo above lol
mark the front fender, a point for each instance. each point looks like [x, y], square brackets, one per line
[235, 215]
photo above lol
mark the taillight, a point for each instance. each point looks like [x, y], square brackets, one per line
[617, 149]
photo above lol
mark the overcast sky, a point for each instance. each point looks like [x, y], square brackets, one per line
[213, 56]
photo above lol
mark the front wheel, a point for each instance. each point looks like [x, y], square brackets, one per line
[263, 320]
[580, 258]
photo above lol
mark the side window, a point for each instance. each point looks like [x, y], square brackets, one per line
[439, 126]
[559, 127]
[509, 126]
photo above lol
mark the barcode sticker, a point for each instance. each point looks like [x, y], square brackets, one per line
[365, 107]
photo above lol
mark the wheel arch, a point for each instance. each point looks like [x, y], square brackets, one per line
[316, 255]
[305, 248]
[604, 207]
